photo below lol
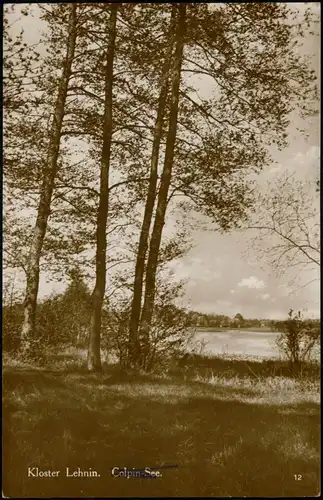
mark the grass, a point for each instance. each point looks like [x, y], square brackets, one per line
[234, 427]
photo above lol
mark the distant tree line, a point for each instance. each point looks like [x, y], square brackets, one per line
[64, 317]
[219, 320]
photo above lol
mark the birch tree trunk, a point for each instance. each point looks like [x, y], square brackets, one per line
[30, 301]
[159, 222]
[94, 356]
[150, 202]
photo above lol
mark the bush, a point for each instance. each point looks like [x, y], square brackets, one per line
[169, 335]
[62, 321]
[12, 316]
[299, 338]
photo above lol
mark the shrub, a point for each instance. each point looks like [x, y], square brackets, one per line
[299, 338]
[169, 335]
[62, 321]
[12, 316]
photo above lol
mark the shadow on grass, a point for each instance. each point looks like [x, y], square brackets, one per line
[241, 367]
[223, 447]
[192, 365]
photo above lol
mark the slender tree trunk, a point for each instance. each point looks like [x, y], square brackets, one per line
[30, 302]
[94, 356]
[155, 241]
[150, 202]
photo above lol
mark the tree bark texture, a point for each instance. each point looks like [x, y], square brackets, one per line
[155, 241]
[30, 302]
[134, 347]
[94, 355]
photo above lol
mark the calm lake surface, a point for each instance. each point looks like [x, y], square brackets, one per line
[238, 342]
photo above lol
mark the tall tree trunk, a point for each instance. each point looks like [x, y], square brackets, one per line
[94, 356]
[155, 241]
[150, 202]
[30, 302]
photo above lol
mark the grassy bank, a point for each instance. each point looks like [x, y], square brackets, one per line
[234, 427]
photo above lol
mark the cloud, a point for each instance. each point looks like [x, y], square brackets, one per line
[251, 282]
[264, 296]
[305, 164]
[309, 157]
[194, 269]
[275, 169]
[217, 307]
[285, 290]
[204, 289]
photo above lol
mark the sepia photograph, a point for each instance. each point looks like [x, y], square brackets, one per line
[161, 332]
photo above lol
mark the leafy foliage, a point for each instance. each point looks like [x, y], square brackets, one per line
[62, 319]
[299, 337]
[248, 54]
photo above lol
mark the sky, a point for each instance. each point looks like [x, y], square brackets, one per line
[223, 275]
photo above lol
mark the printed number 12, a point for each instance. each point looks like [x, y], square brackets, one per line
[298, 477]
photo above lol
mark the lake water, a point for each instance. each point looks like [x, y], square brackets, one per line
[238, 342]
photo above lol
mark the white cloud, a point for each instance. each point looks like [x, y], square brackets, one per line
[196, 260]
[264, 296]
[232, 291]
[305, 164]
[309, 157]
[285, 290]
[275, 169]
[251, 282]
[194, 269]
